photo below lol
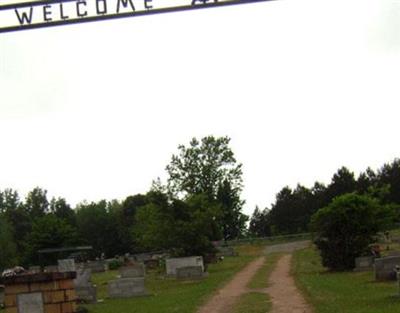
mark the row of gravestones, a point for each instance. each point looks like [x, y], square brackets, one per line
[132, 278]
[384, 268]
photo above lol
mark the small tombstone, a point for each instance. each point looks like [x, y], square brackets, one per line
[51, 268]
[67, 265]
[190, 272]
[365, 263]
[85, 290]
[226, 251]
[34, 269]
[126, 287]
[174, 263]
[393, 253]
[132, 271]
[97, 266]
[384, 268]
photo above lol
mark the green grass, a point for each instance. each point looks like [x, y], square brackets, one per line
[253, 302]
[347, 292]
[169, 295]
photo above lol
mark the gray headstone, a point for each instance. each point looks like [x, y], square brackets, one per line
[96, 266]
[51, 268]
[189, 272]
[132, 271]
[384, 268]
[30, 303]
[34, 269]
[394, 253]
[365, 263]
[126, 288]
[83, 277]
[174, 263]
[226, 251]
[67, 265]
[86, 293]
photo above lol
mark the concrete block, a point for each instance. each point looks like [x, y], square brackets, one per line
[173, 263]
[30, 303]
[384, 268]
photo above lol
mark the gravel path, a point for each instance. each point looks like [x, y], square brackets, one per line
[226, 297]
[284, 294]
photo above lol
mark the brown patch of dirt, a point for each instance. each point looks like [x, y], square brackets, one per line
[226, 297]
[284, 294]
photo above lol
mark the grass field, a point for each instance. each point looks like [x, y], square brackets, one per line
[170, 295]
[342, 292]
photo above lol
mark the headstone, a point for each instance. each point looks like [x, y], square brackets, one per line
[364, 263]
[96, 266]
[393, 253]
[51, 268]
[30, 303]
[67, 265]
[174, 263]
[35, 269]
[190, 272]
[85, 290]
[152, 264]
[226, 251]
[126, 287]
[132, 271]
[384, 268]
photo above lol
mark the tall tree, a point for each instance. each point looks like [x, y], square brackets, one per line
[8, 255]
[203, 166]
[36, 203]
[343, 182]
[232, 220]
[60, 208]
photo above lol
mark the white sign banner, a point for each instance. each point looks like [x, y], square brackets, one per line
[21, 14]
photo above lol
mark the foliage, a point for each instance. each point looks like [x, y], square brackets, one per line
[36, 203]
[203, 166]
[98, 227]
[345, 228]
[232, 220]
[8, 255]
[114, 265]
[49, 231]
[184, 227]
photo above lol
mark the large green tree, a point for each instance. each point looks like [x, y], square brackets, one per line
[8, 249]
[344, 229]
[203, 166]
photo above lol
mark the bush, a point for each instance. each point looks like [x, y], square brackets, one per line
[344, 229]
[114, 265]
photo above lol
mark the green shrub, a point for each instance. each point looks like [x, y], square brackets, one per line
[114, 265]
[344, 229]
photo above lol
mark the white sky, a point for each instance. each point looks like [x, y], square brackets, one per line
[96, 110]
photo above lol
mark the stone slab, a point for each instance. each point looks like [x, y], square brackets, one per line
[67, 265]
[35, 269]
[173, 263]
[132, 271]
[190, 272]
[96, 266]
[30, 303]
[226, 251]
[365, 263]
[87, 294]
[384, 268]
[126, 288]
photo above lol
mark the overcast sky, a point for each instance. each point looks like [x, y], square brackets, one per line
[96, 110]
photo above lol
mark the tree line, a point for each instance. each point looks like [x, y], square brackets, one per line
[199, 203]
[291, 213]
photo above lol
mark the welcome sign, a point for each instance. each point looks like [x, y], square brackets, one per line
[22, 15]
